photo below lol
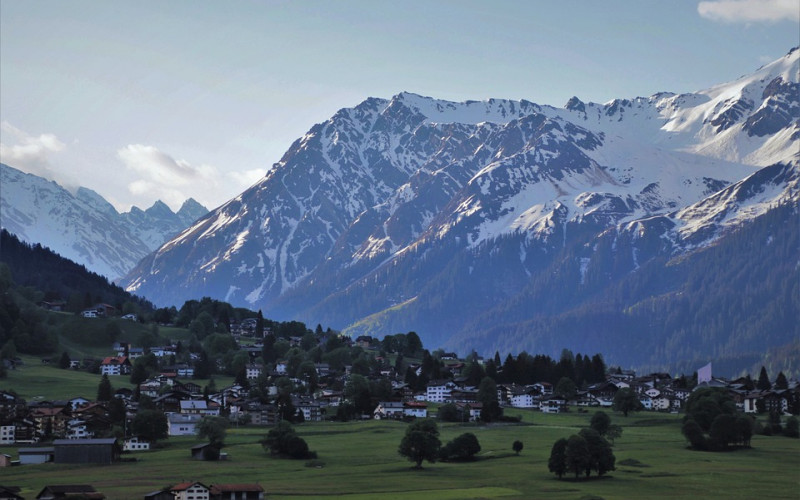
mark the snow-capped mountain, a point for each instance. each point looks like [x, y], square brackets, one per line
[83, 226]
[416, 213]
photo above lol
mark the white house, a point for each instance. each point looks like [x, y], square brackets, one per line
[438, 391]
[521, 398]
[190, 491]
[183, 425]
[415, 409]
[254, 370]
[77, 429]
[388, 409]
[7, 433]
[135, 444]
[115, 365]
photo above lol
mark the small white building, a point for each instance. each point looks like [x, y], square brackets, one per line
[183, 425]
[135, 444]
[438, 391]
[7, 433]
[415, 409]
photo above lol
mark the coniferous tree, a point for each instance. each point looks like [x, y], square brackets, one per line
[763, 383]
[780, 382]
[104, 389]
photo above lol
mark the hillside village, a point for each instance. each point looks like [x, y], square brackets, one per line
[371, 386]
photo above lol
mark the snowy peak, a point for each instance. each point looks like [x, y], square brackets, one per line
[84, 227]
[409, 206]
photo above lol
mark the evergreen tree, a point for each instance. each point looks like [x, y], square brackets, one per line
[763, 383]
[781, 383]
[104, 389]
[64, 361]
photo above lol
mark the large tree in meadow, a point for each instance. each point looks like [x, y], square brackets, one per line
[421, 442]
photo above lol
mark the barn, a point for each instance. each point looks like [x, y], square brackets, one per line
[86, 451]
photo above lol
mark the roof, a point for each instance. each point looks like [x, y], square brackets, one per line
[69, 488]
[216, 489]
[69, 442]
[186, 486]
[34, 451]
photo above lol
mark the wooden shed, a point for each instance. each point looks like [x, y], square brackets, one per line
[86, 451]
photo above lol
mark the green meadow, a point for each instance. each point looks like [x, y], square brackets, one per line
[35, 381]
[359, 460]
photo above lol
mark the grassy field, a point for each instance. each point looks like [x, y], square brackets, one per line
[359, 460]
[35, 381]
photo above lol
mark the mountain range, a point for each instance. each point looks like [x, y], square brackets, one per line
[505, 224]
[661, 231]
[83, 226]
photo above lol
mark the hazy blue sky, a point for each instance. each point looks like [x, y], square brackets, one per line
[142, 100]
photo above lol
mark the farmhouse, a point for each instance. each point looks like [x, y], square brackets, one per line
[115, 365]
[191, 491]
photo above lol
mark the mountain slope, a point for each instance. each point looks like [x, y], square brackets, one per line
[416, 213]
[84, 227]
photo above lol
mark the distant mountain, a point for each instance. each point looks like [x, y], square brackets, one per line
[84, 227]
[449, 218]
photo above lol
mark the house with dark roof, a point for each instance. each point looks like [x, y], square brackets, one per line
[245, 491]
[54, 492]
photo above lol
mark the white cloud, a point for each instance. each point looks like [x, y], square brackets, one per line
[161, 168]
[747, 11]
[160, 176]
[28, 153]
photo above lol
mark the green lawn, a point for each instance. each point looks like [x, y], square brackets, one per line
[360, 461]
[35, 381]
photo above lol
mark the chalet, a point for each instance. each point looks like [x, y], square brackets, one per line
[521, 397]
[55, 492]
[197, 407]
[86, 451]
[51, 419]
[25, 431]
[543, 388]
[416, 409]
[237, 492]
[388, 409]
[323, 369]
[262, 414]
[77, 429]
[459, 395]
[552, 404]
[115, 365]
[310, 409]
[191, 491]
[76, 403]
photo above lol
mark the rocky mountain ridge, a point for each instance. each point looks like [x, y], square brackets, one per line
[83, 226]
